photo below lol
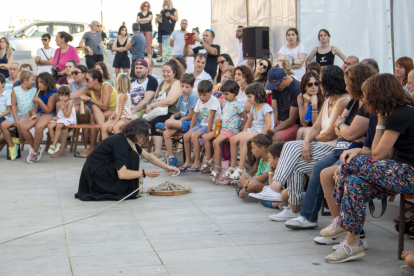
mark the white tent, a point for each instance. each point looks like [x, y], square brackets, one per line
[378, 29]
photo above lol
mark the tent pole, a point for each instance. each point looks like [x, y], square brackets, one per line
[247, 13]
[392, 34]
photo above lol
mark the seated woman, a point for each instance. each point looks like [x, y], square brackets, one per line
[353, 126]
[260, 71]
[223, 61]
[68, 78]
[103, 97]
[226, 74]
[299, 157]
[364, 178]
[112, 170]
[101, 67]
[315, 67]
[243, 75]
[310, 100]
[172, 71]
[45, 104]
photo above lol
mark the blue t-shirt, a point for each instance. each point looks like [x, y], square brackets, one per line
[185, 104]
[138, 49]
[45, 98]
[372, 128]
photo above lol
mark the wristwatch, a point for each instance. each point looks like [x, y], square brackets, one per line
[143, 174]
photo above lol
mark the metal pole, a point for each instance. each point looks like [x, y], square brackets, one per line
[101, 13]
[392, 34]
[247, 13]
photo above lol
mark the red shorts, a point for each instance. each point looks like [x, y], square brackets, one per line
[288, 134]
[227, 132]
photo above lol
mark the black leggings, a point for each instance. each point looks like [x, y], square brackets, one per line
[91, 60]
[156, 120]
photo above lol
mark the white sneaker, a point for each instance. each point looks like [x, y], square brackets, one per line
[364, 243]
[285, 215]
[300, 223]
[322, 240]
[267, 194]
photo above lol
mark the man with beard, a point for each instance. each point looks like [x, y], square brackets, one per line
[142, 88]
[177, 40]
[239, 48]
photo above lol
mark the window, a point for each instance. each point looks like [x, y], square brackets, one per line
[78, 28]
[113, 34]
[34, 31]
[61, 27]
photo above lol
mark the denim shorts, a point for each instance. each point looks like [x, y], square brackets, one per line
[202, 129]
[185, 126]
[10, 117]
[53, 113]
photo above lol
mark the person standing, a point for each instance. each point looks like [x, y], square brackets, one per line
[136, 46]
[213, 51]
[239, 49]
[325, 54]
[190, 60]
[101, 30]
[294, 52]
[121, 59]
[93, 45]
[44, 57]
[6, 56]
[166, 22]
[177, 39]
[144, 18]
[199, 73]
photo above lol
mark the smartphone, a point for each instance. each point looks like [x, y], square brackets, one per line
[189, 40]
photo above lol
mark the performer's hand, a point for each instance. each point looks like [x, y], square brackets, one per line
[172, 170]
[152, 173]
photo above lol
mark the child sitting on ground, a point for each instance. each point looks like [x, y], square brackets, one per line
[122, 114]
[22, 108]
[260, 120]
[209, 109]
[255, 184]
[186, 103]
[232, 115]
[66, 116]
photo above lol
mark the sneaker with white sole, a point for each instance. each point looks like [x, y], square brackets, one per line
[285, 215]
[300, 223]
[333, 230]
[346, 253]
[267, 194]
[364, 243]
[322, 240]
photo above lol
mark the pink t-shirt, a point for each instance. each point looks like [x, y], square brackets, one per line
[70, 54]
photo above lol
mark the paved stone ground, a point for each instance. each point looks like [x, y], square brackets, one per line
[207, 232]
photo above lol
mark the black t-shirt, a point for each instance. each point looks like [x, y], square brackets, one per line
[402, 121]
[211, 63]
[147, 27]
[286, 99]
[103, 35]
[372, 125]
[355, 111]
[167, 25]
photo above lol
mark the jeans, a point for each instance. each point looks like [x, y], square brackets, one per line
[312, 201]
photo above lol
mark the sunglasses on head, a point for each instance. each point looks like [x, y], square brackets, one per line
[264, 66]
[43, 39]
[310, 84]
[222, 61]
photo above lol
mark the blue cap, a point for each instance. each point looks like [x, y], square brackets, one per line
[275, 75]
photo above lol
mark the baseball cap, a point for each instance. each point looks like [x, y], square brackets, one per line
[142, 62]
[274, 76]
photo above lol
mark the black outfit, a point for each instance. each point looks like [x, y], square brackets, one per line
[286, 99]
[167, 25]
[355, 111]
[211, 63]
[103, 35]
[159, 119]
[121, 59]
[401, 120]
[325, 59]
[99, 178]
[92, 60]
[147, 27]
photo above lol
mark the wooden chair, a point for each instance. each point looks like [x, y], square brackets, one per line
[77, 131]
[403, 201]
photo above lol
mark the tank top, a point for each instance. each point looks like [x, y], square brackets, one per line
[172, 108]
[327, 120]
[126, 112]
[147, 27]
[24, 99]
[325, 59]
[121, 54]
[4, 60]
[114, 96]
[45, 99]
[167, 25]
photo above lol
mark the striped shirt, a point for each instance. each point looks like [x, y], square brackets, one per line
[126, 112]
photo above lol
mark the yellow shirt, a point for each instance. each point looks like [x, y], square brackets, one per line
[114, 96]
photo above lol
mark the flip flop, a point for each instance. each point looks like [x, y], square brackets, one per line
[193, 170]
[183, 169]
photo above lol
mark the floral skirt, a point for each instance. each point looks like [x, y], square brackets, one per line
[148, 38]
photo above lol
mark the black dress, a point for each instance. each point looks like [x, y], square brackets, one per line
[99, 178]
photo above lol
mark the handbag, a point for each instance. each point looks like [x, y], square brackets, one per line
[158, 111]
[343, 144]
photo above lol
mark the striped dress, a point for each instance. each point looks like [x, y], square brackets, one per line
[126, 112]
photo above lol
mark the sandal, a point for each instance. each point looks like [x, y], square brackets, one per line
[215, 174]
[52, 150]
[237, 173]
[206, 167]
[61, 153]
[229, 172]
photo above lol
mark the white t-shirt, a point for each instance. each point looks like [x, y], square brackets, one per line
[204, 109]
[292, 55]
[49, 53]
[240, 60]
[179, 42]
[190, 60]
[242, 98]
[203, 76]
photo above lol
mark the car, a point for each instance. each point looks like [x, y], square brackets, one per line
[111, 37]
[28, 37]
[155, 47]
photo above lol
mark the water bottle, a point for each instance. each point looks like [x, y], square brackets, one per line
[129, 54]
[217, 128]
[101, 50]
[308, 116]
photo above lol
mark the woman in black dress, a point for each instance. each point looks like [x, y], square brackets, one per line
[111, 171]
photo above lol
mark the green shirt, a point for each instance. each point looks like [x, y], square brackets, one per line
[263, 168]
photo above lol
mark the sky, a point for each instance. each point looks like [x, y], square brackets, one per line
[86, 11]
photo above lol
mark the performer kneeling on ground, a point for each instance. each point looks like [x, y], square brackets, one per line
[111, 171]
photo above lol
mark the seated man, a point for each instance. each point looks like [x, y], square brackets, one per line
[142, 88]
[14, 77]
[24, 66]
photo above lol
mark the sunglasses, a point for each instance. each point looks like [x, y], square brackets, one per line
[264, 66]
[87, 79]
[75, 73]
[310, 84]
[43, 39]
[146, 6]
[222, 62]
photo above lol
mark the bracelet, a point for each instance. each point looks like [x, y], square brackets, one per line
[271, 173]
[315, 110]
[381, 127]
[247, 182]
[339, 125]
[143, 174]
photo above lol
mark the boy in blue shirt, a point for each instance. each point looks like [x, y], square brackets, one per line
[186, 102]
[5, 100]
